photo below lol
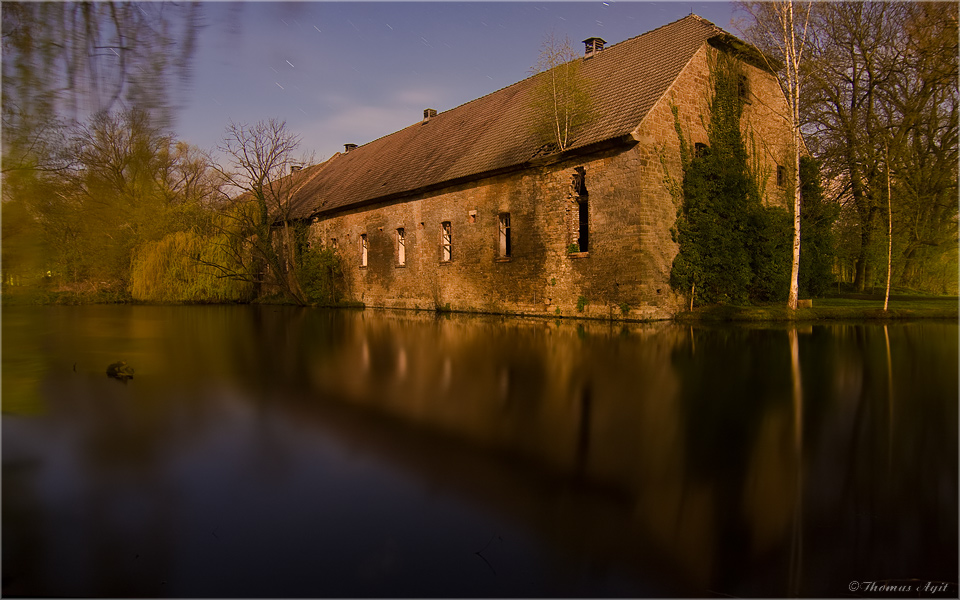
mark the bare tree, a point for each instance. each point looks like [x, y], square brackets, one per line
[258, 183]
[783, 26]
[561, 95]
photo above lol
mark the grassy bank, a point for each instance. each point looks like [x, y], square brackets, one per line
[846, 307]
[24, 295]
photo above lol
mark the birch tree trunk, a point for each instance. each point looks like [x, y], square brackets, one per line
[793, 52]
[777, 23]
[886, 298]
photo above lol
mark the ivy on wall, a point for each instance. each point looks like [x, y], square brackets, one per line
[731, 247]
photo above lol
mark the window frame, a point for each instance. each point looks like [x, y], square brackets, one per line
[401, 247]
[446, 242]
[504, 239]
[364, 251]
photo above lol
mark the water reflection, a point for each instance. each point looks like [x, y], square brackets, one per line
[287, 452]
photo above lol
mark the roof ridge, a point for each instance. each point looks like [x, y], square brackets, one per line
[491, 133]
[532, 75]
[654, 30]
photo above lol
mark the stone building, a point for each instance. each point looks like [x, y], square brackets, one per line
[467, 209]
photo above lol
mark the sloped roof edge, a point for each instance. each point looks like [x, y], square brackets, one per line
[491, 134]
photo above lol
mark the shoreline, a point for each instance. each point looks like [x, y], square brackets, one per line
[850, 307]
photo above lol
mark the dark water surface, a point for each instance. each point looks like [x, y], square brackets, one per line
[293, 452]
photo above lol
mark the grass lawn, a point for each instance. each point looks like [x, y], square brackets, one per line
[846, 306]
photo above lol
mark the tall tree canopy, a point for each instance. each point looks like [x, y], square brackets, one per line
[883, 75]
[89, 172]
[127, 183]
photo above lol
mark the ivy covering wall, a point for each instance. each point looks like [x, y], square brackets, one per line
[732, 248]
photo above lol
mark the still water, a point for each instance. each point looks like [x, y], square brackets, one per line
[282, 452]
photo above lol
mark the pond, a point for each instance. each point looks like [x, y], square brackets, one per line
[286, 452]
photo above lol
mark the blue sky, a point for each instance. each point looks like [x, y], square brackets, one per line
[352, 72]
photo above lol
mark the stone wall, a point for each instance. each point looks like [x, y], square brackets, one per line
[624, 273]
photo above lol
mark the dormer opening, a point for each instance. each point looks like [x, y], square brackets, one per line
[348, 147]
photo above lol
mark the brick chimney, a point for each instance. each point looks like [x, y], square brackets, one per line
[593, 46]
[429, 113]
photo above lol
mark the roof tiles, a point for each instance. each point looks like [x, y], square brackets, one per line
[492, 133]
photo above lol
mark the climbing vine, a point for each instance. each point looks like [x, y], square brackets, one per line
[731, 247]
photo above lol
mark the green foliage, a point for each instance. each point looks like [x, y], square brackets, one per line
[816, 229]
[77, 217]
[880, 91]
[320, 275]
[624, 308]
[573, 248]
[582, 303]
[732, 249]
[180, 268]
[769, 245]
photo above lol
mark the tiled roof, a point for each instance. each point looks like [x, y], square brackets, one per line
[492, 133]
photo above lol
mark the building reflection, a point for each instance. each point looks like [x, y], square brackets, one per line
[602, 421]
[687, 446]
[691, 460]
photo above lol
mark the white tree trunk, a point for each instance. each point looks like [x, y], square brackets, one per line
[792, 55]
[886, 298]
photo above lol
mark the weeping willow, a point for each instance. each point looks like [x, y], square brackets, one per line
[177, 268]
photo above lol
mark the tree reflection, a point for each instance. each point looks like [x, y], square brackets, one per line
[761, 462]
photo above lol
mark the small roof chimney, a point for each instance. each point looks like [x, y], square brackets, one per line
[593, 46]
[295, 168]
[348, 147]
[429, 113]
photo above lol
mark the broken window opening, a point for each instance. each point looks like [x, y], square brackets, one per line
[401, 248]
[581, 226]
[584, 240]
[363, 250]
[700, 150]
[743, 88]
[446, 242]
[505, 246]
[545, 150]
[781, 176]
